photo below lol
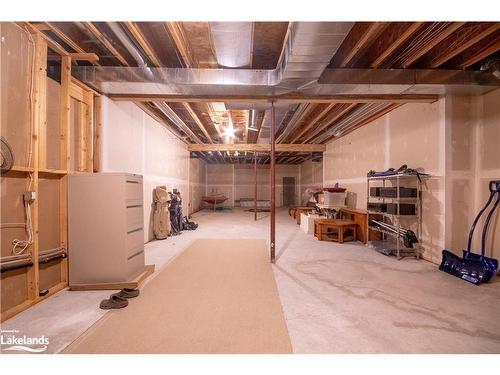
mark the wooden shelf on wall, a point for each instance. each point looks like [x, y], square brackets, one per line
[53, 171]
[19, 168]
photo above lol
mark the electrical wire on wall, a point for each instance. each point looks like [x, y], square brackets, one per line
[20, 246]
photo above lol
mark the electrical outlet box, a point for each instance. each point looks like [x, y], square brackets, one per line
[29, 196]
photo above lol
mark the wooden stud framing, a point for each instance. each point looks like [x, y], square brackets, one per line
[97, 162]
[89, 131]
[64, 161]
[39, 121]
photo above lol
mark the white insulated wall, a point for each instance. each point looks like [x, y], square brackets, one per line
[455, 139]
[134, 142]
[412, 135]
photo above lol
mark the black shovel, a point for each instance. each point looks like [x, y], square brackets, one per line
[474, 268]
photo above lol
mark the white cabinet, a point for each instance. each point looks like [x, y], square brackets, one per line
[105, 227]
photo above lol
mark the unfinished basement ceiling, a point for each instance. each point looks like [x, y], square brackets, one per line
[208, 80]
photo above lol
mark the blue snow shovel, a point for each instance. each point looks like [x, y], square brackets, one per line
[473, 267]
[490, 263]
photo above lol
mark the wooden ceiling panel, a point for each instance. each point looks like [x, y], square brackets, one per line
[268, 39]
[199, 38]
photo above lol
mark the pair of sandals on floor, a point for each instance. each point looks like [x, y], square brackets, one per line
[119, 300]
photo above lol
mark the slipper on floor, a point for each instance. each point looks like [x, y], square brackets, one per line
[127, 293]
[114, 302]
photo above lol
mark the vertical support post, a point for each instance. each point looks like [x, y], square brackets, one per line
[255, 190]
[273, 183]
[97, 133]
[89, 131]
[39, 122]
[64, 161]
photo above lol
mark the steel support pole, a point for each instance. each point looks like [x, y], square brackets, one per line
[273, 183]
[255, 190]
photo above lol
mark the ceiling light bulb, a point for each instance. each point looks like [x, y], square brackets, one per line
[229, 132]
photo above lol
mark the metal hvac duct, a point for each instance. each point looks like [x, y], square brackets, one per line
[307, 50]
[232, 42]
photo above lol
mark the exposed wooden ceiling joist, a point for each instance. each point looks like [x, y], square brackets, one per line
[459, 42]
[390, 107]
[146, 47]
[339, 111]
[393, 44]
[91, 27]
[480, 55]
[435, 40]
[311, 123]
[196, 119]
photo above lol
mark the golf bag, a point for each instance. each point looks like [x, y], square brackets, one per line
[161, 215]
[175, 210]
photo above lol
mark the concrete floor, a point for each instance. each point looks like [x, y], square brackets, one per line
[336, 298]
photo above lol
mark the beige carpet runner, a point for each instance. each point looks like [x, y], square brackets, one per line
[217, 296]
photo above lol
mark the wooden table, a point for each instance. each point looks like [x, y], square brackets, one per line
[321, 227]
[299, 210]
[360, 217]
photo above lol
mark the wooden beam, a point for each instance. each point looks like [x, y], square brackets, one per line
[290, 99]
[463, 45]
[146, 47]
[396, 44]
[197, 120]
[257, 147]
[432, 43]
[312, 122]
[90, 26]
[91, 57]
